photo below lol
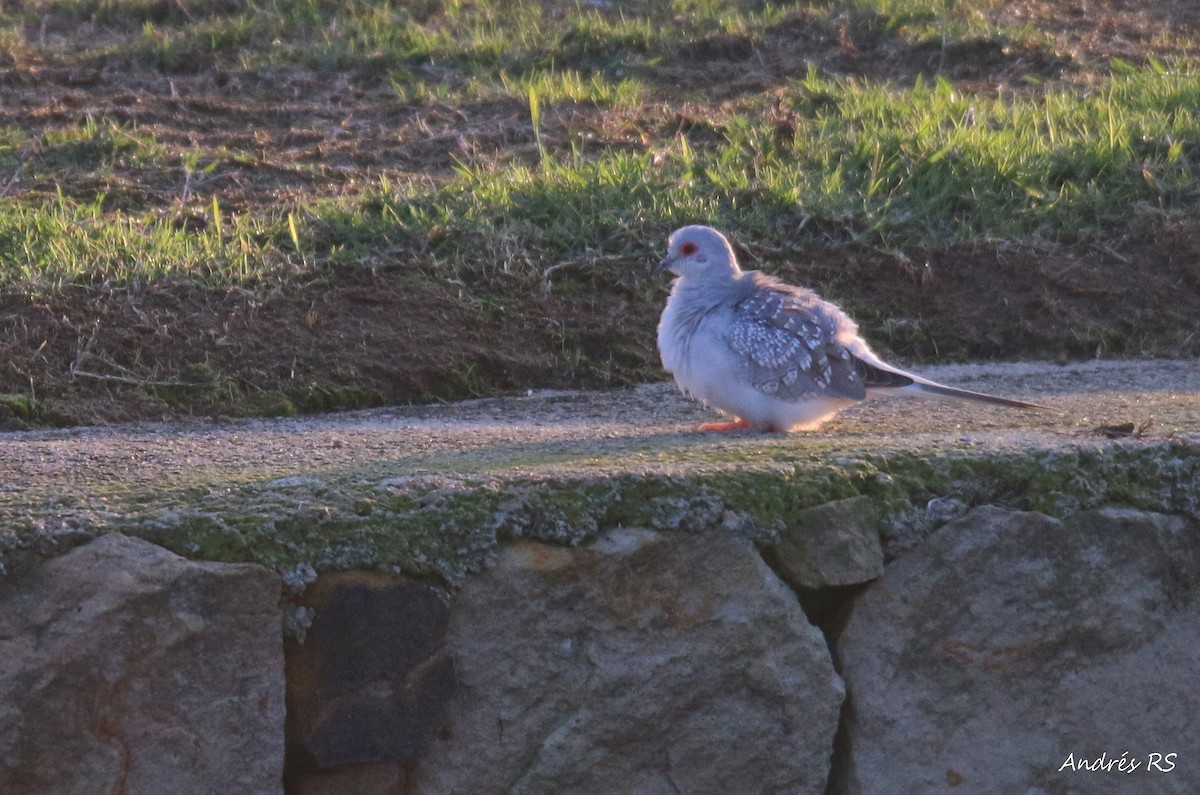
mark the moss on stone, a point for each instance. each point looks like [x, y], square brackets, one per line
[449, 525]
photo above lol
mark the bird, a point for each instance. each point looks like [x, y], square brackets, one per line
[774, 356]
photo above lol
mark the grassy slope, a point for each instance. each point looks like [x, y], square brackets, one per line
[271, 207]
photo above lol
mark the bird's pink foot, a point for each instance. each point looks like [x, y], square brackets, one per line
[736, 425]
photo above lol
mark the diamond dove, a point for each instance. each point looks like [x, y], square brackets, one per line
[774, 356]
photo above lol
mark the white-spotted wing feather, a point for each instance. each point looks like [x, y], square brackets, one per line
[791, 343]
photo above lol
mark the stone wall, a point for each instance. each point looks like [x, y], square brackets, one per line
[1006, 652]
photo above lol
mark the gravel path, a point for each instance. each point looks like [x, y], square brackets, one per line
[584, 426]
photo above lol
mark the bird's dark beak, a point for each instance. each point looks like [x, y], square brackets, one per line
[664, 265]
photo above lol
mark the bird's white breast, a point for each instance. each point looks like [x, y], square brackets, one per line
[672, 336]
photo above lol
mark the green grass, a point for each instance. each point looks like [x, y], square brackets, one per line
[471, 36]
[903, 167]
[50, 247]
[947, 19]
[484, 36]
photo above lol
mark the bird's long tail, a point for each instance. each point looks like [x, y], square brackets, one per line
[940, 390]
[880, 376]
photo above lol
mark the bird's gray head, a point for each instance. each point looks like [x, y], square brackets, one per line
[700, 251]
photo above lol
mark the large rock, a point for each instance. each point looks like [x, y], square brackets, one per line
[125, 668]
[644, 663]
[1012, 649]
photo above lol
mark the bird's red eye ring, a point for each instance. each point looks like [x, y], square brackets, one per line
[688, 249]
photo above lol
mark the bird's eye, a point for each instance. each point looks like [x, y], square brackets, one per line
[688, 249]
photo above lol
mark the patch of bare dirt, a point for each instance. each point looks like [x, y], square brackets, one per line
[1081, 37]
[856, 44]
[356, 340]
[1124, 298]
[1091, 32]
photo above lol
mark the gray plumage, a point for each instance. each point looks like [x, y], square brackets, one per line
[775, 356]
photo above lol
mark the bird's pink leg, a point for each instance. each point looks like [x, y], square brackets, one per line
[736, 425]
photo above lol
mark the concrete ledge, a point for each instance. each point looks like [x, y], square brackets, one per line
[429, 490]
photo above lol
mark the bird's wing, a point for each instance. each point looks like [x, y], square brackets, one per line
[788, 341]
[794, 346]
